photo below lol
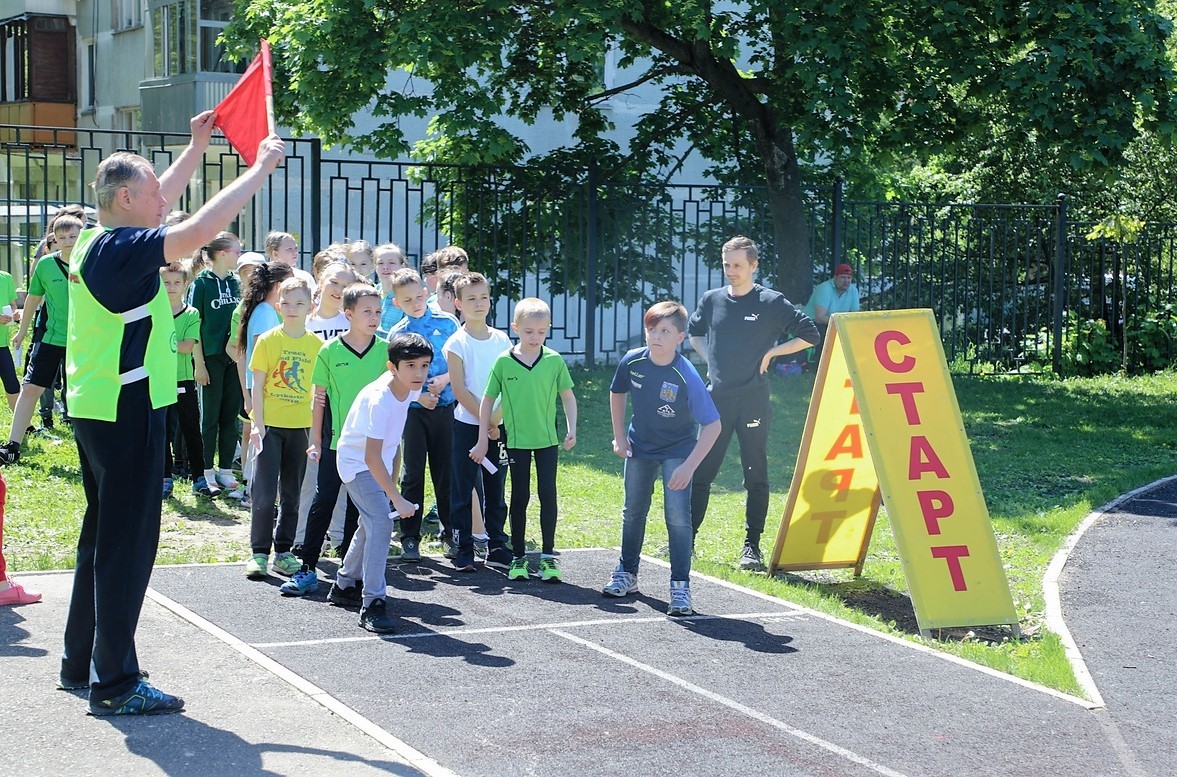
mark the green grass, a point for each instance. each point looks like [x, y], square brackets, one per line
[1047, 452]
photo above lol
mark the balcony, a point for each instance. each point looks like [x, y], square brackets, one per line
[168, 103]
[34, 113]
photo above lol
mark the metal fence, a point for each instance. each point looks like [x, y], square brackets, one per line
[1014, 287]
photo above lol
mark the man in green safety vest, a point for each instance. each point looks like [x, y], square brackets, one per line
[121, 374]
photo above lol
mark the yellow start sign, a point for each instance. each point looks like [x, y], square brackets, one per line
[884, 421]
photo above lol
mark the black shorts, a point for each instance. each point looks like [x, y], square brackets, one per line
[8, 371]
[44, 362]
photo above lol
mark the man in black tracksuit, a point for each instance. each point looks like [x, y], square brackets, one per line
[736, 329]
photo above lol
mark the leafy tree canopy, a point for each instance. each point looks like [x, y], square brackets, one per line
[757, 88]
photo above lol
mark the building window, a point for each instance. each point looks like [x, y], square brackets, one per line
[173, 36]
[91, 77]
[127, 119]
[126, 14]
[215, 15]
[38, 59]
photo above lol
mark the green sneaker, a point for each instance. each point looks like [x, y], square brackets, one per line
[518, 569]
[286, 564]
[549, 570]
[255, 568]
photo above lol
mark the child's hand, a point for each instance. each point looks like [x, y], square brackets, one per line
[681, 477]
[621, 447]
[569, 441]
[201, 375]
[321, 399]
[428, 400]
[403, 507]
[765, 361]
[256, 434]
[492, 433]
[478, 452]
[313, 452]
[17, 339]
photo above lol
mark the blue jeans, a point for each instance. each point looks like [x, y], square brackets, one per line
[367, 556]
[640, 475]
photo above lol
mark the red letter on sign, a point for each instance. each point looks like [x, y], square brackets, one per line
[849, 442]
[827, 524]
[923, 459]
[838, 481]
[907, 392]
[934, 505]
[906, 364]
[953, 554]
[853, 399]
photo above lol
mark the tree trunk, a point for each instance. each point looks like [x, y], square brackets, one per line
[792, 271]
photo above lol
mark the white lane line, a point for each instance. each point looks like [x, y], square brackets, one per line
[735, 705]
[1050, 588]
[1009, 678]
[780, 615]
[411, 755]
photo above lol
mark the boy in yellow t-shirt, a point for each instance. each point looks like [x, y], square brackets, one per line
[282, 392]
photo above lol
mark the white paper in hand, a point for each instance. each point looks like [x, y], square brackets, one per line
[488, 466]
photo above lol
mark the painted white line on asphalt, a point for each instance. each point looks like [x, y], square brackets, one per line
[891, 638]
[524, 627]
[735, 705]
[411, 755]
[1050, 588]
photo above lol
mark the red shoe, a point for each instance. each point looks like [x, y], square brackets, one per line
[16, 594]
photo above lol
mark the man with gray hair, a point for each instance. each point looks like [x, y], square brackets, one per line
[121, 370]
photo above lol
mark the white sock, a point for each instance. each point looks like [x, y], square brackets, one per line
[210, 475]
[482, 536]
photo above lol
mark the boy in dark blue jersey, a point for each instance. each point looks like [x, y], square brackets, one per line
[669, 399]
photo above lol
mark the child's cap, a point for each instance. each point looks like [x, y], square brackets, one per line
[248, 258]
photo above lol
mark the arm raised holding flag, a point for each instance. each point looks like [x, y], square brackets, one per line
[121, 368]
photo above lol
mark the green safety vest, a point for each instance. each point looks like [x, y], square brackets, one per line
[95, 341]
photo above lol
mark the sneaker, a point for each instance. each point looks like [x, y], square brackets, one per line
[750, 558]
[237, 493]
[549, 570]
[481, 547]
[46, 422]
[16, 594]
[64, 684]
[431, 517]
[226, 480]
[621, 583]
[143, 699]
[202, 487]
[304, 582]
[499, 558]
[168, 487]
[255, 568]
[9, 452]
[464, 561]
[518, 569]
[410, 551]
[680, 598]
[345, 597]
[448, 548]
[246, 503]
[375, 619]
[285, 564]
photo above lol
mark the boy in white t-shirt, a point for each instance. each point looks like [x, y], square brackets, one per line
[470, 352]
[368, 455]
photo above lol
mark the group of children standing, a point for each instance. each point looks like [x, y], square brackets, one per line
[369, 387]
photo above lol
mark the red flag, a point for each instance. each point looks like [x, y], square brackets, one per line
[246, 115]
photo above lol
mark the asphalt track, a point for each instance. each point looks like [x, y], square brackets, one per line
[490, 677]
[1120, 604]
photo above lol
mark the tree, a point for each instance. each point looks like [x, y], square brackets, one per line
[761, 88]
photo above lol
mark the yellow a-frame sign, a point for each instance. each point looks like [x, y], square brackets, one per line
[884, 425]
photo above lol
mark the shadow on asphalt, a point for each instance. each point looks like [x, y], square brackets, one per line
[11, 635]
[222, 752]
